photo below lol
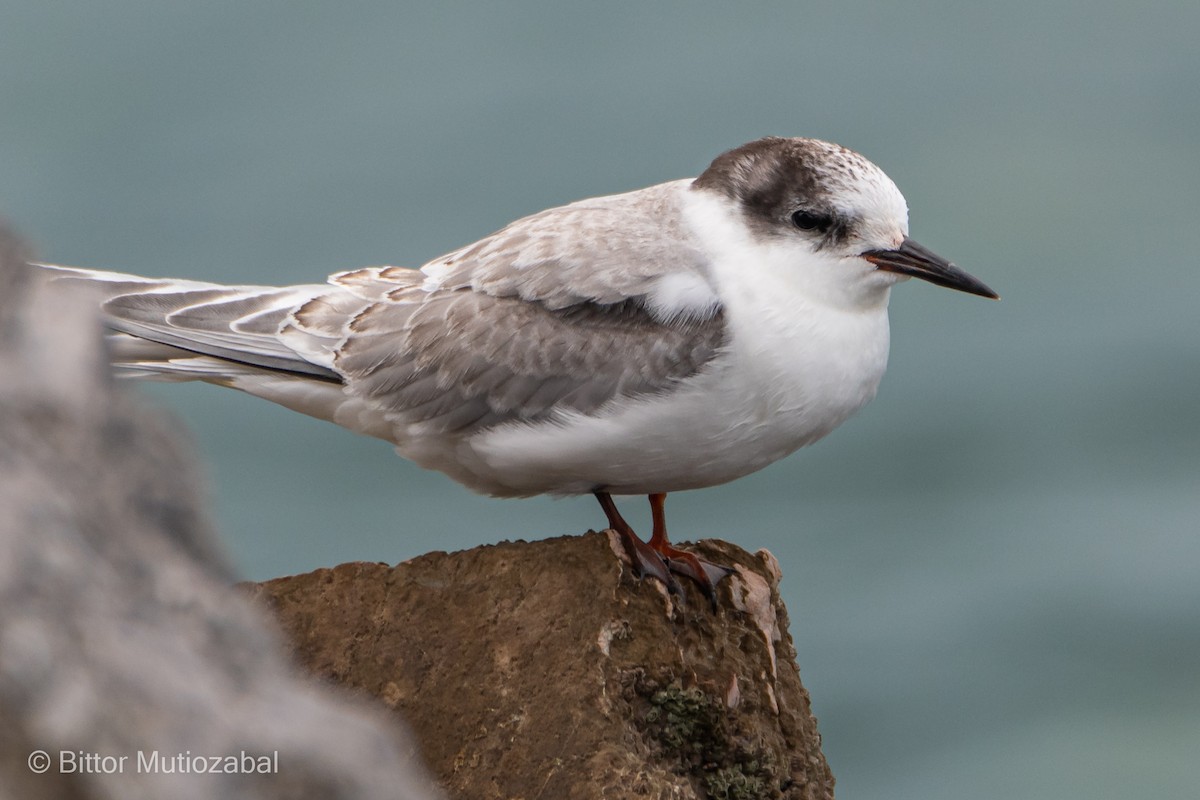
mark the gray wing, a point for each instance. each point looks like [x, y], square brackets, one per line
[459, 359]
[553, 314]
[603, 250]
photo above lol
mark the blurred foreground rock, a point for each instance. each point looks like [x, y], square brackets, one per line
[544, 670]
[120, 632]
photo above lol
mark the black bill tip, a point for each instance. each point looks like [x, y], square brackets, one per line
[912, 259]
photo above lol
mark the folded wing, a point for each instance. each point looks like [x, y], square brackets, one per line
[554, 315]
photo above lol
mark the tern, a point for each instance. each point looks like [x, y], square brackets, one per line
[670, 338]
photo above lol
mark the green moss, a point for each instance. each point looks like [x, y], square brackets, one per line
[734, 784]
[695, 729]
[686, 721]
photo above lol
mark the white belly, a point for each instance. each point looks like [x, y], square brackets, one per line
[774, 391]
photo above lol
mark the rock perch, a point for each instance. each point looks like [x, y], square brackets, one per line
[545, 670]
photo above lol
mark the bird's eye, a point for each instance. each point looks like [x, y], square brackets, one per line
[812, 221]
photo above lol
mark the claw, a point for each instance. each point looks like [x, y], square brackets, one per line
[646, 562]
[658, 558]
[706, 575]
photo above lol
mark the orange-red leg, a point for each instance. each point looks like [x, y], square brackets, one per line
[645, 560]
[658, 558]
[704, 574]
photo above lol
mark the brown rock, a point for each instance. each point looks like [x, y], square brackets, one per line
[545, 670]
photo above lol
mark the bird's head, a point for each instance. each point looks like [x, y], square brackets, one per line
[829, 212]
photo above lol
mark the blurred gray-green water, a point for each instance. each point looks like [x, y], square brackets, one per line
[993, 572]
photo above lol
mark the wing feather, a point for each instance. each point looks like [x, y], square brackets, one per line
[425, 359]
[603, 250]
[558, 313]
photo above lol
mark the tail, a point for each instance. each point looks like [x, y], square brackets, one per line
[259, 339]
[177, 329]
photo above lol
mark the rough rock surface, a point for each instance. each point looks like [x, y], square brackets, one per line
[545, 670]
[120, 631]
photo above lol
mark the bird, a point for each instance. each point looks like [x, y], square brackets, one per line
[666, 339]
